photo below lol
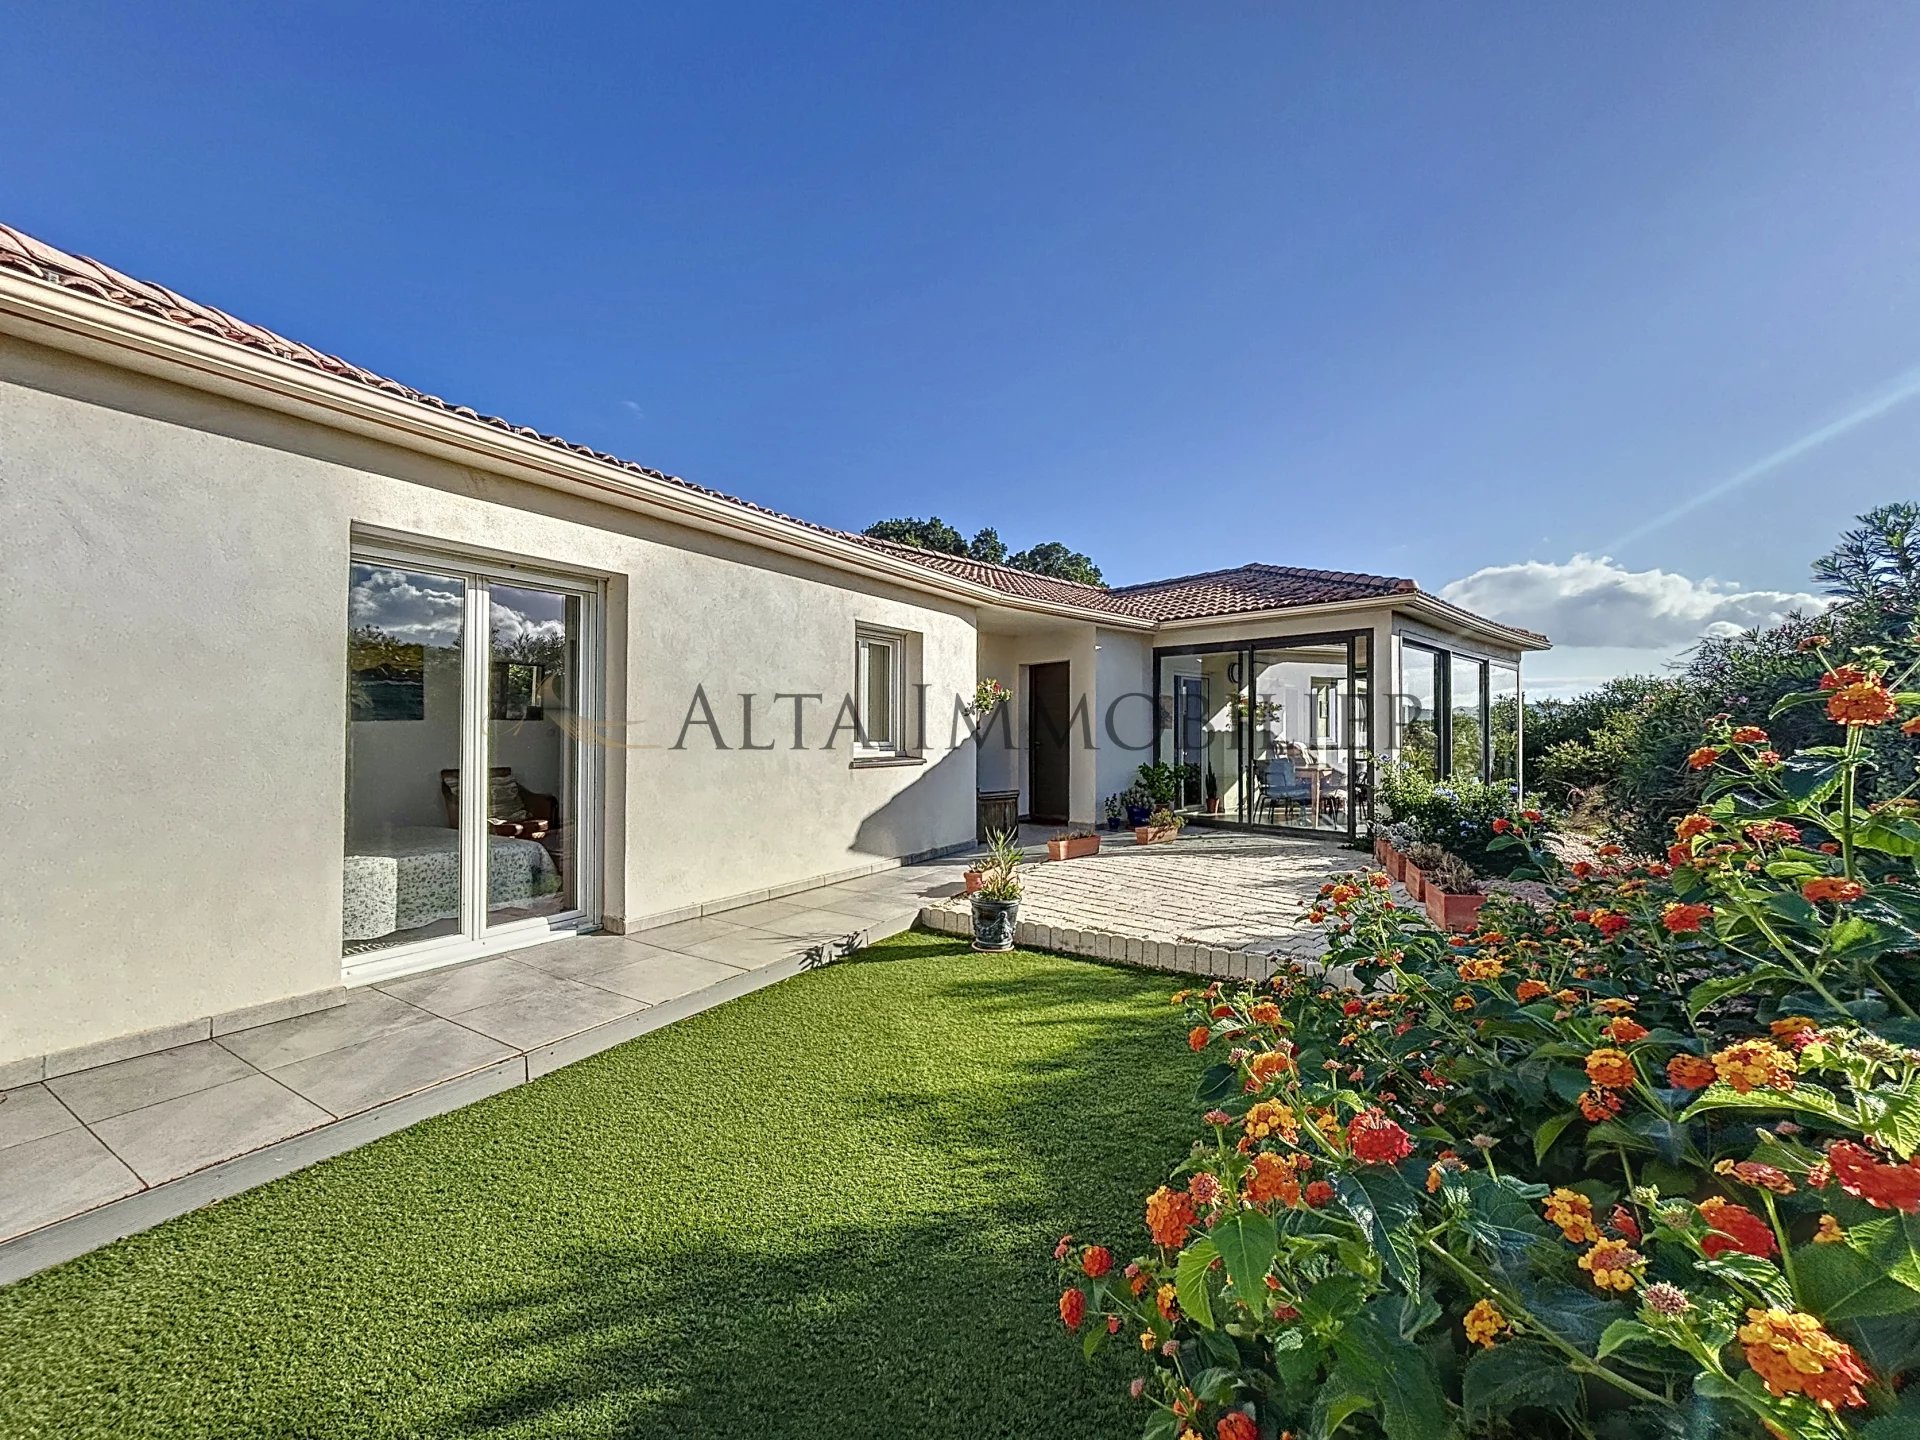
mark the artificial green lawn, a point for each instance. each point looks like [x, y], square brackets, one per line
[824, 1210]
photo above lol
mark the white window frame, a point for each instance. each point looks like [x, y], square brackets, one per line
[477, 936]
[864, 642]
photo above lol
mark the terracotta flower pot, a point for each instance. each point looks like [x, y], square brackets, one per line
[1073, 848]
[1411, 877]
[1453, 912]
[975, 879]
[1396, 863]
[1148, 835]
[1381, 851]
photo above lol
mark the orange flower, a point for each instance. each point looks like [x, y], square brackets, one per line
[1265, 1013]
[1267, 1066]
[1483, 1323]
[1690, 1072]
[1624, 1030]
[1787, 1027]
[1270, 1179]
[1689, 826]
[1528, 990]
[1319, 1193]
[1197, 1038]
[1757, 1174]
[1702, 758]
[1881, 1185]
[1829, 1232]
[1836, 888]
[1483, 967]
[1842, 676]
[1271, 1117]
[1073, 1308]
[1911, 727]
[1236, 1425]
[1754, 1064]
[1750, 735]
[1169, 1217]
[1866, 702]
[1598, 1105]
[1684, 919]
[1612, 1264]
[1610, 1069]
[1734, 1227]
[1096, 1262]
[1610, 922]
[1794, 1355]
[1573, 1213]
[1164, 1300]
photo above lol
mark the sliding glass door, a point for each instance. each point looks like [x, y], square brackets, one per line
[469, 795]
[1270, 733]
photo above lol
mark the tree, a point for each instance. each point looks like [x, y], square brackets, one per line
[1048, 558]
[932, 533]
[1053, 558]
[1882, 552]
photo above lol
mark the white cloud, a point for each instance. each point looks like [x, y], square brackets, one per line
[420, 609]
[1590, 601]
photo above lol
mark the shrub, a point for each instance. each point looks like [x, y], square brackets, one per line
[1639, 1162]
[1457, 815]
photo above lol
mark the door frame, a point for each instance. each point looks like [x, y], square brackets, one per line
[476, 938]
[1066, 745]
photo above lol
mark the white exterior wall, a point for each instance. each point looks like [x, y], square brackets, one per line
[174, 597]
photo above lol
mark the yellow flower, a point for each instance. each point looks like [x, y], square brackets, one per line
[1483, 1322]
[1829, 1232]
[1573, 1213]
[1755, 1064]
[1271, 1117]
[1612, 1263]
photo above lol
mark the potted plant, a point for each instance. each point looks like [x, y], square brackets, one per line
[1072, 844]
[1213, 792]
[1116, 812]
[996, 904]
[1161, 782]
[1139, 806]
[1162, 825]
[1420, 857]
[1453, 894]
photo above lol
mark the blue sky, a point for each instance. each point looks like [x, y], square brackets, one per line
[1442, 291]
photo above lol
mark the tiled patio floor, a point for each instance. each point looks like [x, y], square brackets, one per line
[90, 1156]
[95, 1154]
[1211, 902]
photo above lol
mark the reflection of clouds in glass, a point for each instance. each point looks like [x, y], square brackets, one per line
[527, 615]
[420, 609]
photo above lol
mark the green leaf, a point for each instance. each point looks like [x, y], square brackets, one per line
[1892, 1244]
[1838, 1283]
[1889, 835]
[1550, 1130]
[1246, 1240]
[1217, 1082]
[1809, 1099]
[1707, 992]
[1381, 1205]
[1190, 1281]
[1758, 1275]
[1398, 1377]
[1897, 1126]
[1517, 1375]
[1625, 1332]
[1805, 776]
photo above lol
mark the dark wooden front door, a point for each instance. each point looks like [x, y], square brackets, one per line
[1049, 726]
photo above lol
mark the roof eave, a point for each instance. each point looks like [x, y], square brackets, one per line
[36, 311]
[1416, 600]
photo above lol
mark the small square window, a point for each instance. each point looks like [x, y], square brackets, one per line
[879, 679]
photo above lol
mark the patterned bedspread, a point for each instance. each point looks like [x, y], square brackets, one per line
[411, 876]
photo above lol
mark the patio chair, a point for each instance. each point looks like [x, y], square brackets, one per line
[1281, 785]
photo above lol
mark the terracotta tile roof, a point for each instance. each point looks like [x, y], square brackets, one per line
[1218, 592]
[1256, 587]
[1010, 581]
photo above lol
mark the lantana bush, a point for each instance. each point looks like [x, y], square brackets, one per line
[1638, 1161]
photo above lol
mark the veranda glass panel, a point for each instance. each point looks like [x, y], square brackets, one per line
[402, 877]
[878, 697]
[1503, 720]
[1200, 739]
[1469, 727]
[1419, 709]
[1300, 747]
[533, 808]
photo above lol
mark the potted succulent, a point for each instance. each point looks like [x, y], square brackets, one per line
[1161, 826]
[996, 904]
[1453, 895]
[1213, 792]
[1116, 812]
[1420, 857]
[1074, 843]
[1139, 806]
[1160, 781]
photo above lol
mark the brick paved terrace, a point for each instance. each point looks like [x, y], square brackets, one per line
[1212, 902]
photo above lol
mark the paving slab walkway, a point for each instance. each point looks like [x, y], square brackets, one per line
[1210, 902]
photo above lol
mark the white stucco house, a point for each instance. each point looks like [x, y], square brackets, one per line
[273, 619]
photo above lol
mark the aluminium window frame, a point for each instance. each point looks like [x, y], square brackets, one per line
[865, 638]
